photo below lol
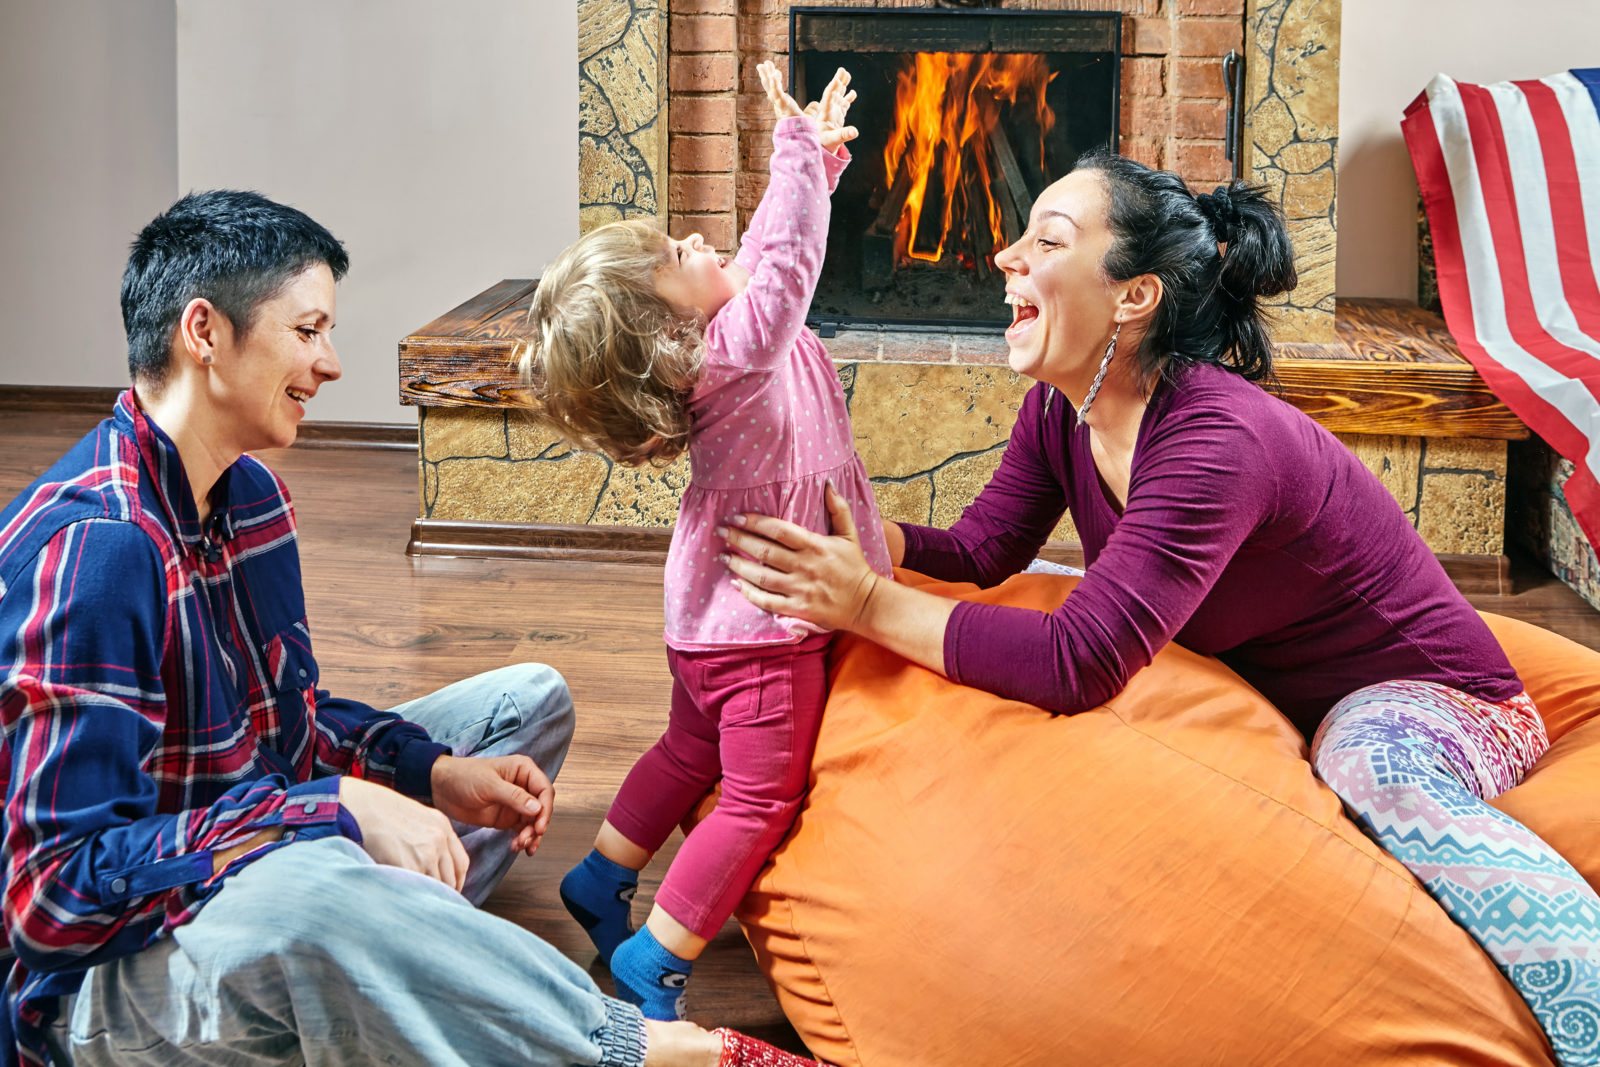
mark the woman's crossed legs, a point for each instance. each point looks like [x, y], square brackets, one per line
[1415, 763]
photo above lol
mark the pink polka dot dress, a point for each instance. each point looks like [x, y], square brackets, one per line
[769, 423]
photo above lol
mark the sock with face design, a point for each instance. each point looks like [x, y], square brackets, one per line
[651, 977]
[599, 894]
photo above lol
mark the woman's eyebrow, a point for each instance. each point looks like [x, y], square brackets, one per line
[314, 312]
[1045, 213]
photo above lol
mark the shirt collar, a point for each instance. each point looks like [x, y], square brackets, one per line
[160, 456]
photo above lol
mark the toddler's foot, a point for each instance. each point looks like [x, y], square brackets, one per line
[651, 977]
[742, 1050]
[599, 894]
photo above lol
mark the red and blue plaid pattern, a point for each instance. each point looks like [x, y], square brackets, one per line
[158, 699]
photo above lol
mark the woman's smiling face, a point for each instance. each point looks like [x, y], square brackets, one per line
[1062, 302]
[265, 378]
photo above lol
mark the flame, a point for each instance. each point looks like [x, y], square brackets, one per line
[946, 104]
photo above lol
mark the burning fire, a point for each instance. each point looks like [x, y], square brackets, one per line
[947, 105]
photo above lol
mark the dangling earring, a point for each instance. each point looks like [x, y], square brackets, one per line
[1099, 375]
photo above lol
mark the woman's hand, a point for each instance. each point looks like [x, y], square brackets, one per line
[789, 570]
[400, 832]
[504, 792]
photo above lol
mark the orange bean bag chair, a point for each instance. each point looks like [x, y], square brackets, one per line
[1161, 880]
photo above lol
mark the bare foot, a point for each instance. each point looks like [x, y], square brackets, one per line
[684, 1044]
[680, 1044]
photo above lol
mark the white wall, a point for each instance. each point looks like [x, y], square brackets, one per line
[438, 141]
[1390, 50]
[88, 126]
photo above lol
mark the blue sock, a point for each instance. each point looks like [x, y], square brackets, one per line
[650, 976]
[599, 894]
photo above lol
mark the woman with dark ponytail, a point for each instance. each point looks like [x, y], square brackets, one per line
[1218, 516]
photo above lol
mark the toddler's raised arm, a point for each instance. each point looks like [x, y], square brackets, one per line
[783, 249]
[829, 113]
[752, 249]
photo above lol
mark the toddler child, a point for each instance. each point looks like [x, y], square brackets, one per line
[650, 346]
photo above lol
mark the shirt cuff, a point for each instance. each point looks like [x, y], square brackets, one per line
[313, 803]
[952, 640]
[312, 810]
[833, 164]
[413, 770]
[916, 546]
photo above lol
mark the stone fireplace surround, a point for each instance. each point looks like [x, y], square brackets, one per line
[673, 122]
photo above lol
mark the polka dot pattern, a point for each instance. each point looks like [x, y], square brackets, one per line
[770, 425]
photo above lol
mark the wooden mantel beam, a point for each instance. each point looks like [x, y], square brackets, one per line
[1394, 370]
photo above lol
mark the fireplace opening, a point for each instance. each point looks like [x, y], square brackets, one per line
[964, 118]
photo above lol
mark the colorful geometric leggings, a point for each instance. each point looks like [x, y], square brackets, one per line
[1414, 762]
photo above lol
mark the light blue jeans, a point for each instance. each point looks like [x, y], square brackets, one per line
[316, 955]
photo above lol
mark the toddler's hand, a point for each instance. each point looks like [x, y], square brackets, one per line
[783, 105]
[829, 112]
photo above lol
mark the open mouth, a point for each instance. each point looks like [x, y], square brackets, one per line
[1022, 313]
[297, 396]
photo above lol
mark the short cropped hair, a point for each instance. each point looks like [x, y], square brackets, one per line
[612, 361]
[235, 249]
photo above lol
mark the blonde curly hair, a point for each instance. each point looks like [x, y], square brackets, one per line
[613, 362]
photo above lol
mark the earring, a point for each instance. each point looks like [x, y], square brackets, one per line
[206, 358]
[1099, 375]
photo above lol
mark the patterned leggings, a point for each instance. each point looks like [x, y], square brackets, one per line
[1415, 762]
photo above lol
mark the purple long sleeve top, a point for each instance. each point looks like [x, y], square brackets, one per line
[1249, 533]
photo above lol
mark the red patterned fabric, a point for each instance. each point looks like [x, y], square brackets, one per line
[1510, 178]
[742, 1050]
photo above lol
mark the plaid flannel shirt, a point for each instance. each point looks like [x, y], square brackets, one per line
[158, 700]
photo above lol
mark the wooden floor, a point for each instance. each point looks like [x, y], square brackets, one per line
[388, 628]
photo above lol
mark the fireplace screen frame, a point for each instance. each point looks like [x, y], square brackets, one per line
[934, 30]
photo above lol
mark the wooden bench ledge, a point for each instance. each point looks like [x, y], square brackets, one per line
[1394, 370]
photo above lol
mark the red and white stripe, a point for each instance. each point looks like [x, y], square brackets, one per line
[1510, 178]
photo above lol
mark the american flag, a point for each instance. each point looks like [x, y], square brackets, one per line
[1510, 178]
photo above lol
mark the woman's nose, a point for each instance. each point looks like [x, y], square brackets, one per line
[695, 241]
[328, 365]
[1007, 259]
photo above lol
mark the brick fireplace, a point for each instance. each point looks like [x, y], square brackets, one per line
[1172, 115]
[1173, 110]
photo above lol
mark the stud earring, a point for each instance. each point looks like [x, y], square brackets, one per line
[1099, 375]
[206, 358]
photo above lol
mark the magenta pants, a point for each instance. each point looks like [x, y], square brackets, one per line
[748, 716]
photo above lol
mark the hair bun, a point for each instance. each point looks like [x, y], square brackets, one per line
[1220, 210]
